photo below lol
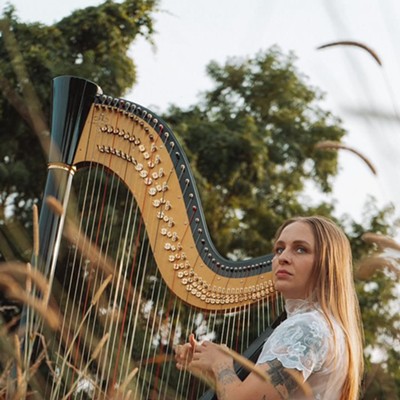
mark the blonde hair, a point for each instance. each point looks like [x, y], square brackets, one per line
[333, 288]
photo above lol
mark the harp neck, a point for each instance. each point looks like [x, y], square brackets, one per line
[143, 152]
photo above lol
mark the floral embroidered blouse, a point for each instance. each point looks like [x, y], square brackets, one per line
[305, 342]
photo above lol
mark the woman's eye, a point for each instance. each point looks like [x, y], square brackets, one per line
[301, 250]
[278, 250]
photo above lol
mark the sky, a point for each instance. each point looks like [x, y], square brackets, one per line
[362, 93]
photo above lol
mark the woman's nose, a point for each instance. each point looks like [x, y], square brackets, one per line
[283, 257]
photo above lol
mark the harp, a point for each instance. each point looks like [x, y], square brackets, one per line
[127, 191]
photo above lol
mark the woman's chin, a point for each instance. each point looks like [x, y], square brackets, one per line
[286, 291]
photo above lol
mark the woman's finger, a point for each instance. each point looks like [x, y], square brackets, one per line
[192, 340]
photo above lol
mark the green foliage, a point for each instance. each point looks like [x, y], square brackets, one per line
[90, 43]
[252, 141]
[379, 303]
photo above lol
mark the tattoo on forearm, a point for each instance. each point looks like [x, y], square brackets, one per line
[226, 376]
[283, 382]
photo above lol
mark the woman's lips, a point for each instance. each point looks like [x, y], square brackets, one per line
[282, 272]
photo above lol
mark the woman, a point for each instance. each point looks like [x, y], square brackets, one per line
[321, 338]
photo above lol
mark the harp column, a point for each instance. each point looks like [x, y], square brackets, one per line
[72, 99]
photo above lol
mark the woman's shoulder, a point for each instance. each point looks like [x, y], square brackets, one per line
[305, 315]
[303, 341]
[310, 326]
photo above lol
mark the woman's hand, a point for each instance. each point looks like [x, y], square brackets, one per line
[205, 360]
[211, 363]
[184, 353]
[209, 358]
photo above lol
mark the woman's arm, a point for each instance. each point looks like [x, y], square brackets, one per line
[210, 360]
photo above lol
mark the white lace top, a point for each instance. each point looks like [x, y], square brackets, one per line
[305, 342]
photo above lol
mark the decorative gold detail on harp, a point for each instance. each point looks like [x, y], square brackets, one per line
[136, 314]
[141, 154]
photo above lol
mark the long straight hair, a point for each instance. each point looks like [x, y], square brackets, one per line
[333, 288]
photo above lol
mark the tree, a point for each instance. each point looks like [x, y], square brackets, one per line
[377, 288]
[252, 144]
[252, 141]
[91, 43]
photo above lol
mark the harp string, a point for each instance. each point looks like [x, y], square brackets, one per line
[152, 331]
[126, 312]
[71, 299]
[164, 368]
[97, 235]
[144, 255]
[246, 329]
[130, 314]
[233, 323]
[168, 329]
[153, 303]
[183, 375]
[125, 309]
[75, 296]
[241, 330]
[163, 329]
[66, 301]
[103, 201]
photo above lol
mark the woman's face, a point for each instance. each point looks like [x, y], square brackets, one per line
[293, 261]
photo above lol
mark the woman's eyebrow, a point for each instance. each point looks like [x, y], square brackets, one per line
[303, 242]
[296, 242]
